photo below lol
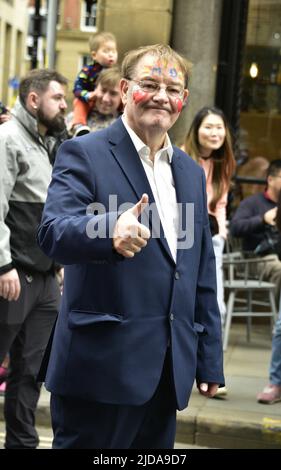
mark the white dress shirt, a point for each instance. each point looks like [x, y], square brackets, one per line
[160, 177]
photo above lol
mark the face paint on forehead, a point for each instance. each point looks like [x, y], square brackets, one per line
[175, 72]
[139, 95]
[160, 67]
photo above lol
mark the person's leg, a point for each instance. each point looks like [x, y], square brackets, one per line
[7, 336]
[158, 429]
[272, 392]
[218, 244]
[81, 424]
[11, 318]
[272, 273]
[21, 399]
[4, 370]
[275, 364]
[80, 112]
[26, 354]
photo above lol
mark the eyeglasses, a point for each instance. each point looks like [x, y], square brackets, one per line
[150, 86]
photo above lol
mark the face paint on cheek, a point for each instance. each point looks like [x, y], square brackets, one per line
[139, 95]
[179, 104]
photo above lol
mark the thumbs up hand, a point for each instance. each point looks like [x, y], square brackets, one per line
[129, 235]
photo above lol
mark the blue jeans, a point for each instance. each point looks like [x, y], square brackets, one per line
[275, 364]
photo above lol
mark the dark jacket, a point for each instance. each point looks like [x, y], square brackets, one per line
[247, 222]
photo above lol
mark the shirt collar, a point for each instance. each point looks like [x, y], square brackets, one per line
[266, 195]
[142, 148]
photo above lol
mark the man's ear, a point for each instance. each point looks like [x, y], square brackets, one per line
[185, 96]
[124, 86]
[32, 101]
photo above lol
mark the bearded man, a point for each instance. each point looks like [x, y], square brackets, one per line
[29, 291]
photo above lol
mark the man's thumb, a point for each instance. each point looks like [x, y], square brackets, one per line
[140, 206]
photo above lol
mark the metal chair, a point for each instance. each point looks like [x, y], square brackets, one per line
[244, 275]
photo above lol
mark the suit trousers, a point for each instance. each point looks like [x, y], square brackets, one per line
[81, 424]
[25, 327]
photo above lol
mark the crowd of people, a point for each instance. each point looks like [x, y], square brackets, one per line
[124, 283]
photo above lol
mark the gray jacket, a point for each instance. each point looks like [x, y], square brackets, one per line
[25, 173]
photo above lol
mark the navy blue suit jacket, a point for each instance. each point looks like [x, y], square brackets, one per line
[119, 315]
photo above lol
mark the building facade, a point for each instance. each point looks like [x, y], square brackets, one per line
[134, 22]
[234, 46]
[222, 38]
[260, 118]
[13, 30]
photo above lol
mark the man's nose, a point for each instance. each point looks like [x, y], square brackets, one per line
[106, 97]
[161, 94]
[63, 104]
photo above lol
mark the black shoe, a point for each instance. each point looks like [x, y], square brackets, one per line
[81, 130]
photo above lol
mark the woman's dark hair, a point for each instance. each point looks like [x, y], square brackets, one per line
[224, 161]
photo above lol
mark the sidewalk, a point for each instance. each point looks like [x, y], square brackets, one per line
[234, 422]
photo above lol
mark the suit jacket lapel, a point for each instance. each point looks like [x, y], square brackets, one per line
[128, 159]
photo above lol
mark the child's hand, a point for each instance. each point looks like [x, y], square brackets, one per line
[92, 95]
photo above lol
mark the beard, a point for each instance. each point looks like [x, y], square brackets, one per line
[54, 124]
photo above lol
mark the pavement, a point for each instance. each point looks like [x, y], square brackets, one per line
[236, 421]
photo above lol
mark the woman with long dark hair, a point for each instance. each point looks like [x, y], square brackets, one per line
[209, 143]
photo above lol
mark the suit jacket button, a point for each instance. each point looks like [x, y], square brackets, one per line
[177, 275]
[171, 316]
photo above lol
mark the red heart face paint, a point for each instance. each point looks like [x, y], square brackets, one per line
[139, 95]
[179, 104]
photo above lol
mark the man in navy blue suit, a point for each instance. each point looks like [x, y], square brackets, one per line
[126, 214]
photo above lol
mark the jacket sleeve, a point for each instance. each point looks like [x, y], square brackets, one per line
[9, 170]
[73, 228]
[81, 84]
[209, 354]
[245, 221]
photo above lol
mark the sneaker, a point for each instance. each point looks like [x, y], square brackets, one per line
[81, 130]
[3, 374]
[2, 388]
[221, 392]
[270, 394]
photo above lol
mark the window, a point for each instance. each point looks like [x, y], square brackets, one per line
[89, 15]
[261, 91]
[84, 60]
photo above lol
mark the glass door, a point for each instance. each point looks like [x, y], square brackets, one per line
[260, 118]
